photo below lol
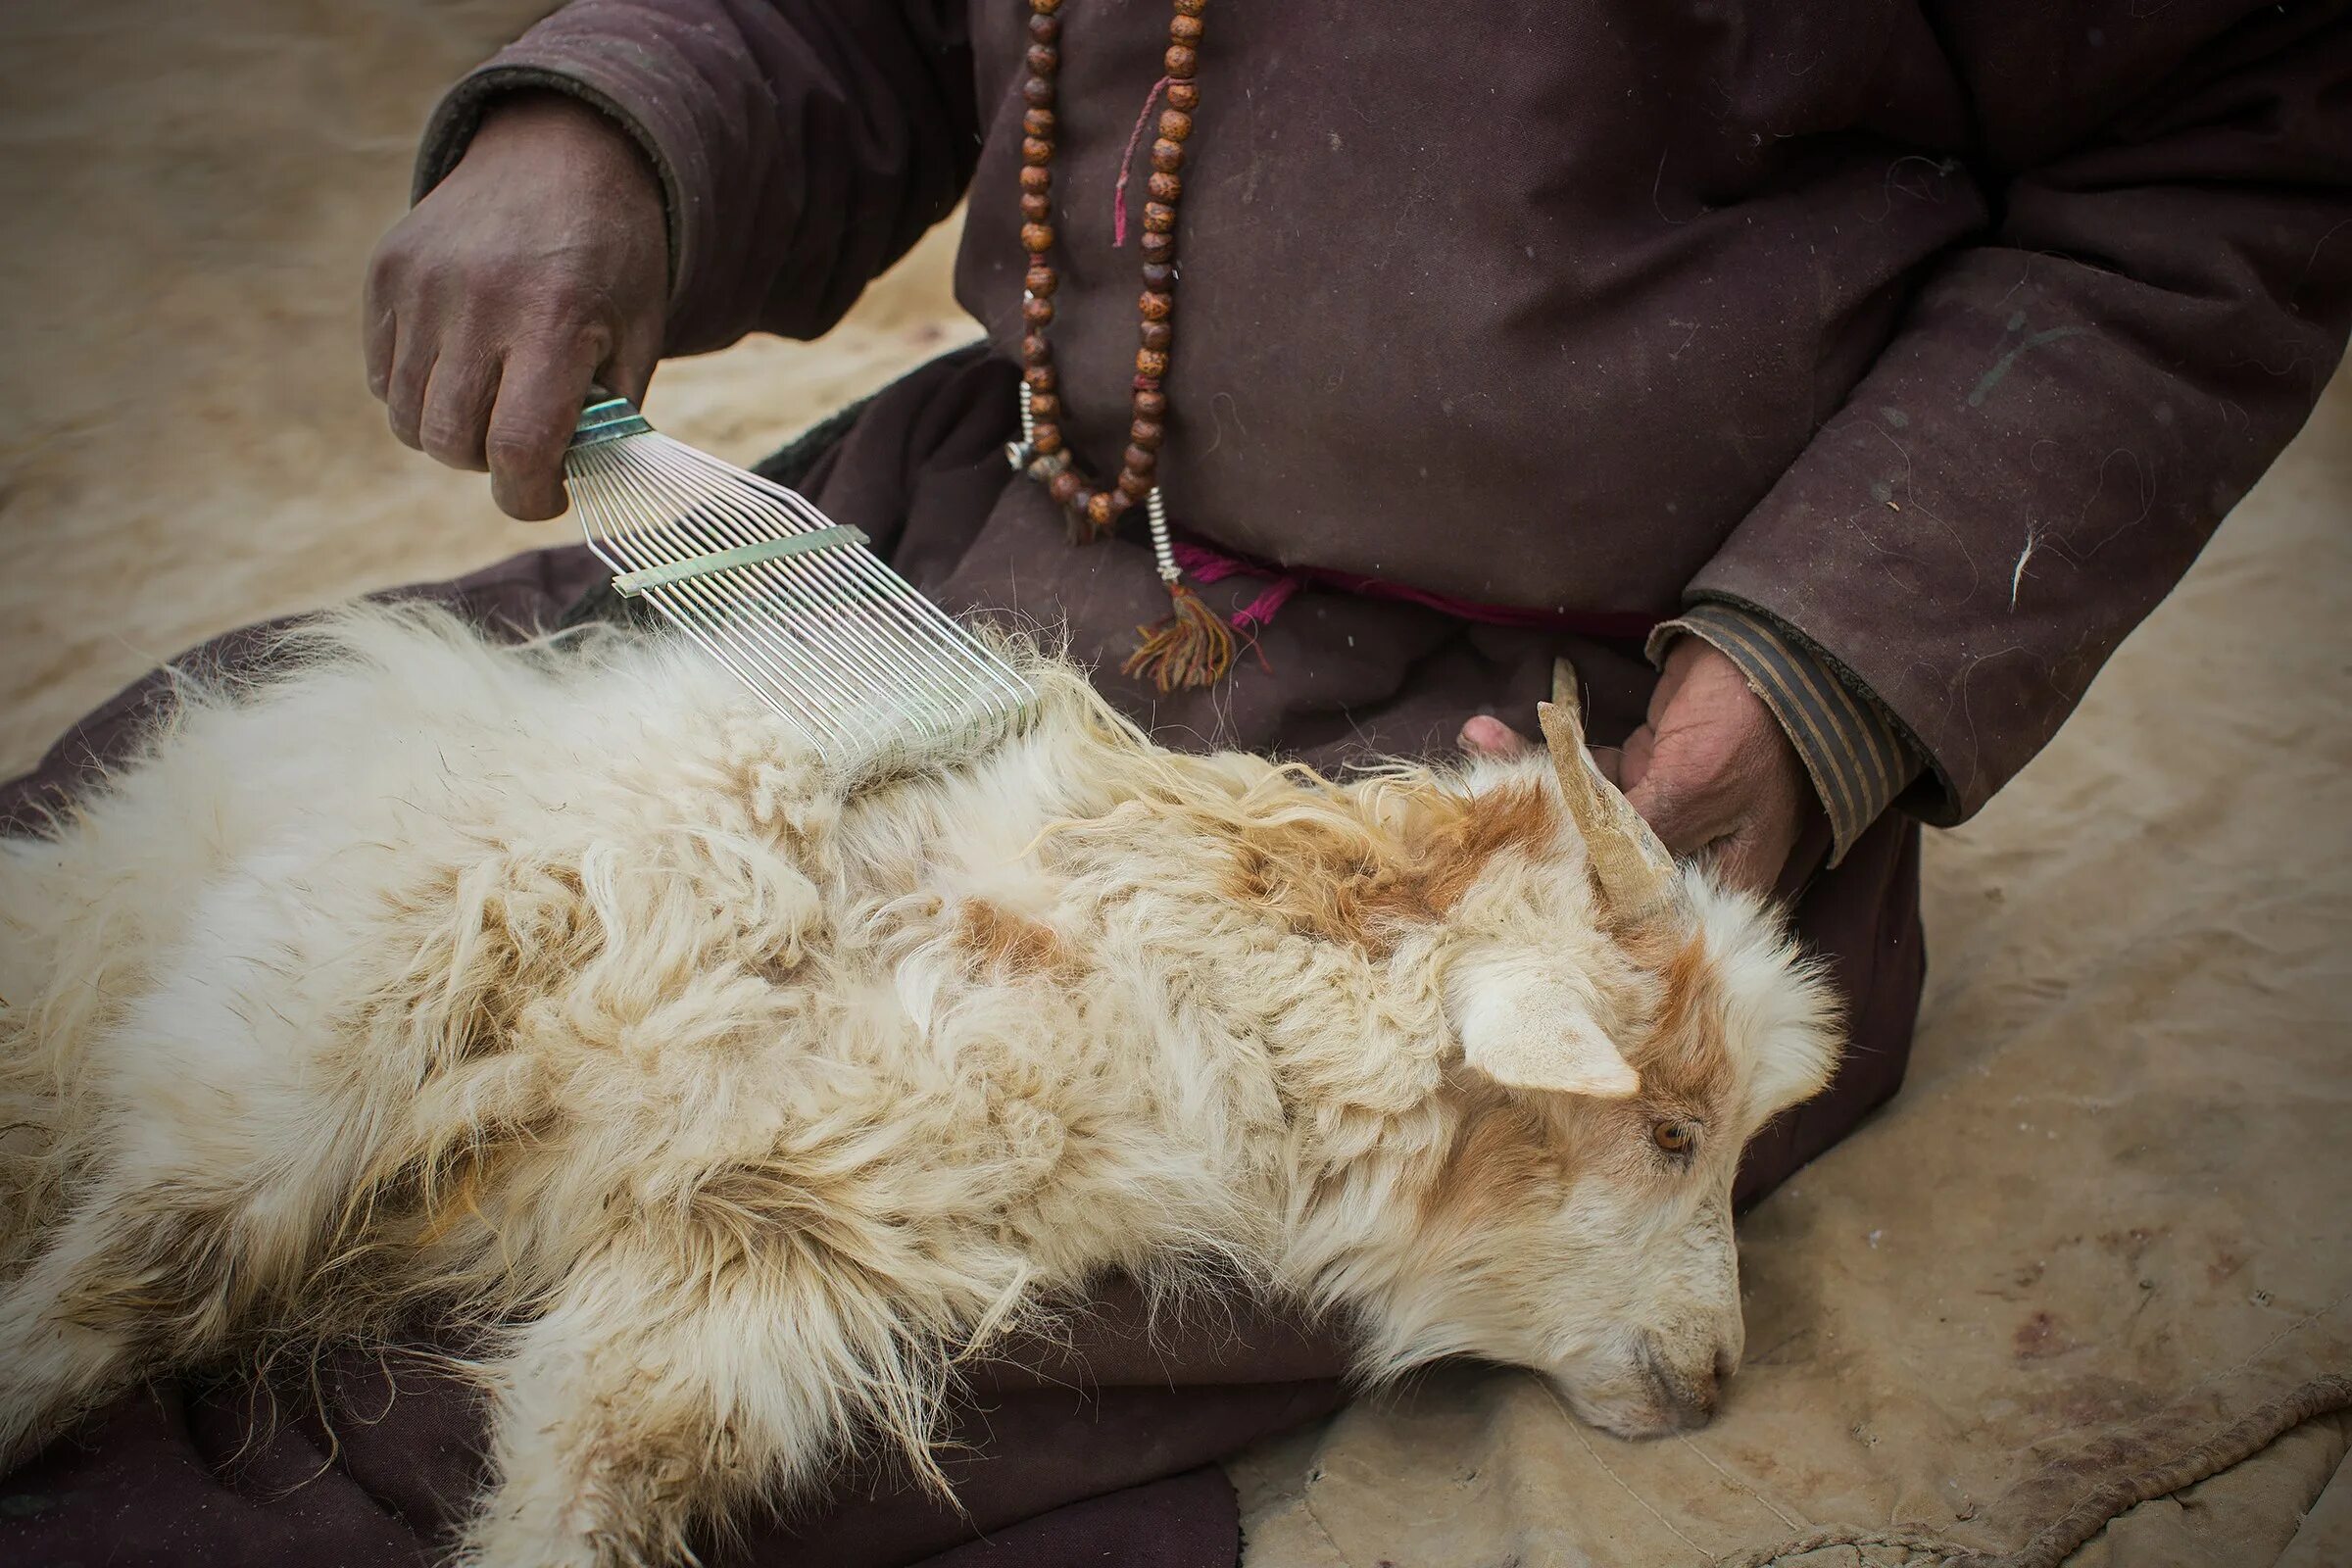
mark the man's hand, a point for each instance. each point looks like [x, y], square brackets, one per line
[1712, 772]
[539, 264]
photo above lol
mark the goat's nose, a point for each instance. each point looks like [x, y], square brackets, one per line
[1688, 1398]
[1703, 1394]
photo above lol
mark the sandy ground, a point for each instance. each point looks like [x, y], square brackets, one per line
[188, 195]
[2115, 1200]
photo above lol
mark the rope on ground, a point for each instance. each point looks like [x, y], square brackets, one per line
[1935, 1547]
[2057, 1540]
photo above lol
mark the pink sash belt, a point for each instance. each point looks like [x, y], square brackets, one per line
[1207, 566]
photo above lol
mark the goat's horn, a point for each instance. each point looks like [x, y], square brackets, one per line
[1564, 693]
[1631, 871]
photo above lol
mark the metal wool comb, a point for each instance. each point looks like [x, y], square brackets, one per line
[872, 673]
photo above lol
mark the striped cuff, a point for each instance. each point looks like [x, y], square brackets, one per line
[1857, 761]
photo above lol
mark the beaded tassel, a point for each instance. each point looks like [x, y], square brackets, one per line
[1193, 645]
[1095, 510]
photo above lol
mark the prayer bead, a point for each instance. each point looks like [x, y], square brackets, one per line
[1098, 510]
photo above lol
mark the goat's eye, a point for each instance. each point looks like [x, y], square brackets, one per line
[1675, 1137]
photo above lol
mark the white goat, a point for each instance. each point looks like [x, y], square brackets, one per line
[552, 992]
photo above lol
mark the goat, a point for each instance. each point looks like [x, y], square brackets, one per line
[555, 992]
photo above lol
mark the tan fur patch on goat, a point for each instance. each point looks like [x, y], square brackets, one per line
[1685, 1063]
[1014, 944]
[173, 1260]
[1518, 818]
[452, 1196]
[1503, 1156]
[514, 938]
[1337, 877]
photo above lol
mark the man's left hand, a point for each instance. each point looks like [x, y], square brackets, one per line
[1712, 772]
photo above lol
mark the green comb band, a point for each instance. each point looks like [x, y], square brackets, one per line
[693, 567]
[608, 421]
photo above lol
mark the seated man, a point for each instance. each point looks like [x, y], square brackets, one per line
[1835, 385]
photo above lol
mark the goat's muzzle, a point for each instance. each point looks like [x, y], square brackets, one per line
[1652, 1396]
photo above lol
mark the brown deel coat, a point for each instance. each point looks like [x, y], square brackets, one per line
[1942, 333]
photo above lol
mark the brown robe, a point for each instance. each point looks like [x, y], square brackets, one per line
[1940, 335]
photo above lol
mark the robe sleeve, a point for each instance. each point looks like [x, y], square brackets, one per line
[803, 145]
[1851, 750]
[2070, 406]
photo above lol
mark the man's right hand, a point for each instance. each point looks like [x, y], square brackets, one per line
[541, 263]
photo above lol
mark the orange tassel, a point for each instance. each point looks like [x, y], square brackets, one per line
[1193, 647]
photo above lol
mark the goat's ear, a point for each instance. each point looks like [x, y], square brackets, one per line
[1539, 1034]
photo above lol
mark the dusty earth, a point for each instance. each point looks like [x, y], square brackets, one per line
[2112, 1210]
[188, 195]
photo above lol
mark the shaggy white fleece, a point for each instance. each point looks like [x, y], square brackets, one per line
[551, 992]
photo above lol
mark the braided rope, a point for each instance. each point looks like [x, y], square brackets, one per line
[2057, 1540]
[1935, 1547]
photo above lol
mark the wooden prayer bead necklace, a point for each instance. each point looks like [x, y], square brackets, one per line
[1193, 645]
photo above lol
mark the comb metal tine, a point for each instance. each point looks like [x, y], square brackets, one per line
[845, 650]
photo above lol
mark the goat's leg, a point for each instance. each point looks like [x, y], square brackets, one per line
[664, 1385]
[52, 1364]
[157, 1262]
[135, 1276]
[154, 1265]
